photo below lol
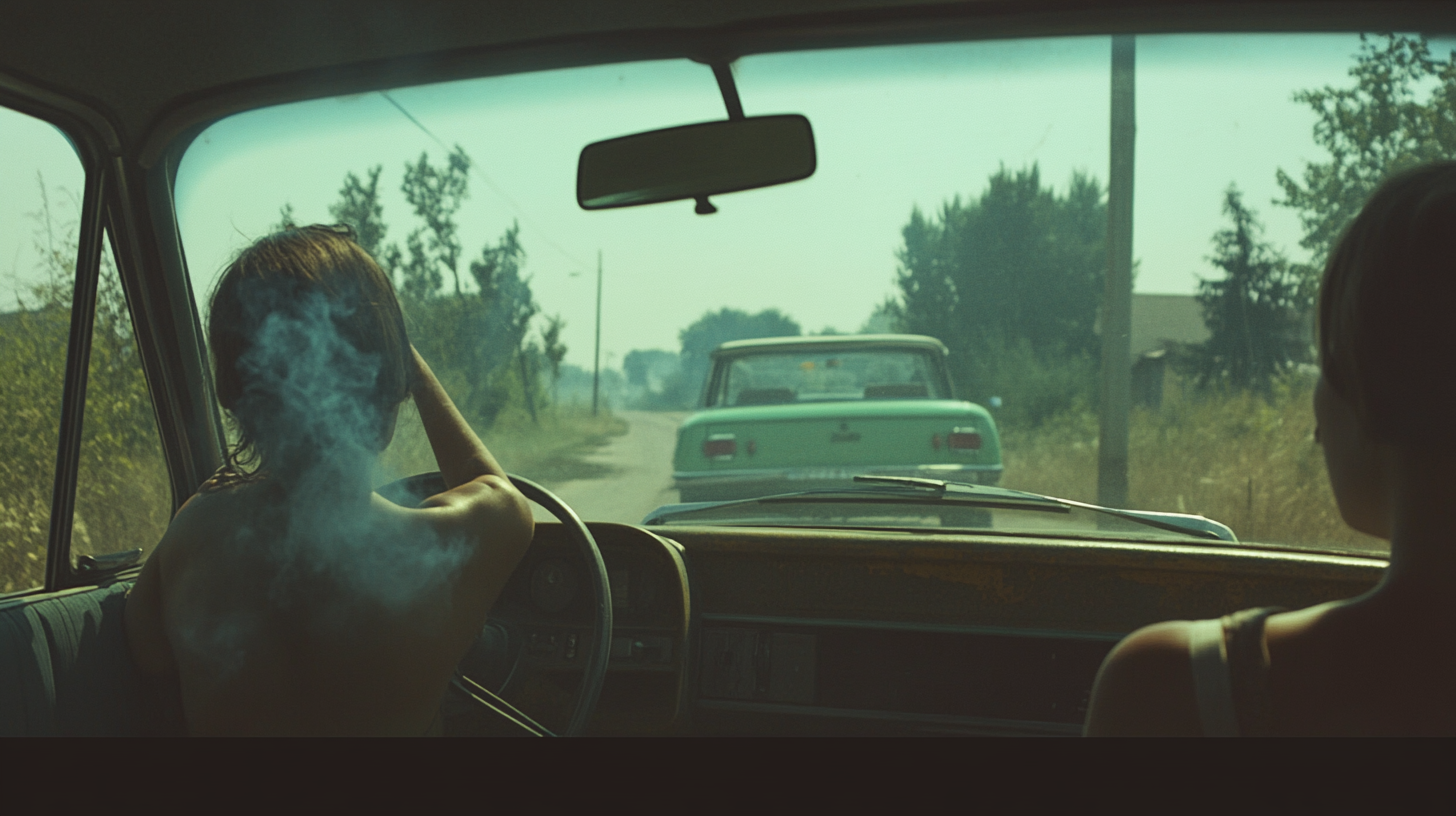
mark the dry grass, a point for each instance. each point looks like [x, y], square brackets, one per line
[550, 451]
[1248, 462]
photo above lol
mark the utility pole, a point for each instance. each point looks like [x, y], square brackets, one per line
[1117, 299]
[597, 353]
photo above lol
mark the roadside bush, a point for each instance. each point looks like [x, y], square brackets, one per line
[1236, 457]
[123, 497]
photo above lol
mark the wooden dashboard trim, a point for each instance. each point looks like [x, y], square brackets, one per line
[940, 546]
[774, 621]
[1080, 587]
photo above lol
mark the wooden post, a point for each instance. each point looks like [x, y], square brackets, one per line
[1117, 299]
[597, 353]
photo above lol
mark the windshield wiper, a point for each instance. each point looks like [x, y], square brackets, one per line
[1173, 522]
[901, 488]
[961, 490]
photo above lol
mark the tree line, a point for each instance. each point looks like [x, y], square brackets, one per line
[1012, 279]
[470, 316]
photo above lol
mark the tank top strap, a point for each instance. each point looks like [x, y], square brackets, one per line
[1211, 690]
[1230, 663]
[1248, 669]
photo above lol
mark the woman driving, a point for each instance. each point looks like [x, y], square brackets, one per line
[1380, 663]
[286, 597]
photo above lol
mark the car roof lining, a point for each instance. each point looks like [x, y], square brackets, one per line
[193, 63]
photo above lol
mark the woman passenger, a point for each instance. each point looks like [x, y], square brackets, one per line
[287, 597]
[1383, 662]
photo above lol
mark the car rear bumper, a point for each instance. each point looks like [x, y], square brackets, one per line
[747, 484]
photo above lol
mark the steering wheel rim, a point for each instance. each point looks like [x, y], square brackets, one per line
[599, 651]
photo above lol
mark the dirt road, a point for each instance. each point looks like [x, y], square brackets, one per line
[641, 477]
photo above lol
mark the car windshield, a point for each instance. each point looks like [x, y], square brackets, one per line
[963, 192]
[774, 378]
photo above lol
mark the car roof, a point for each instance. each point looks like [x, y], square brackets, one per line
[149, 74]
[835, 341]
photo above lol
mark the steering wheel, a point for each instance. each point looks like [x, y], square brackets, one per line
[411, 490]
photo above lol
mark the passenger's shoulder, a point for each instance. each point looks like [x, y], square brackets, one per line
[1145, 686]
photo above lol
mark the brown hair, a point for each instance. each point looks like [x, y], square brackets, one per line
[315, 275]
[1387, 307]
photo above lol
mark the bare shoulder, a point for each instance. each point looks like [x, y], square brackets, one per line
[488, 513]
[143, 614]
[487, 504]
[1145, 686]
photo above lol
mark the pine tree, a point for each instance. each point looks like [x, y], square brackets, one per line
[1255, 312]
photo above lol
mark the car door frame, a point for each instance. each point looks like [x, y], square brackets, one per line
[114, 208]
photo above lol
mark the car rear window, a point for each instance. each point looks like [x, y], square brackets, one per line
[776, 379]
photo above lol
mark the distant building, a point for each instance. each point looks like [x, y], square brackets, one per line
[1158, 320]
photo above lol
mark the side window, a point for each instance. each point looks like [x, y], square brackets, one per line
[40, 205]
[123, 498]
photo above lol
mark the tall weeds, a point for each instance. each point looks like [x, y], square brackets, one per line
[1238, 458]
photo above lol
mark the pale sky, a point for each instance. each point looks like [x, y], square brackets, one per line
[895, 128]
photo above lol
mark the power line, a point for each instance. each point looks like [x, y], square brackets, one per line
[489, 182]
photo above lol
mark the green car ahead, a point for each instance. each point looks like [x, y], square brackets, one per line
[793, 413]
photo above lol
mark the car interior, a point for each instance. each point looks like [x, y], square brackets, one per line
[609, 626]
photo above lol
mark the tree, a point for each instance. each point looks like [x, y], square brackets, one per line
[359, 207]
[1371, 130]
[883, 318]
[1255, 312]
[553, 349]
[286, 219]
[476, 333]
[715, 328]
[1009, 282]
[436, 194]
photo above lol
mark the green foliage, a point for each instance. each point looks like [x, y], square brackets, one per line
[360, 208]
[552, 348]
[32, 365]
[122, 493]
[1378, 127]
[1255, 312]
[474, 330]
[1010, 282]
[655, 379]
[712, 330]
[883, 319]
[286, 219]
[436, 195]
[642, 366]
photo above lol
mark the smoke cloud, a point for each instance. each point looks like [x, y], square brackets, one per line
[313, 555]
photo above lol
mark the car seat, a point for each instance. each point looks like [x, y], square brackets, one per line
[66, 668]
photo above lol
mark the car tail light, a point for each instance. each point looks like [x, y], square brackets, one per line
[961, 439]
[720, 446]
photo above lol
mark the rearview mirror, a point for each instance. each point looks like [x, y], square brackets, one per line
[695, 161]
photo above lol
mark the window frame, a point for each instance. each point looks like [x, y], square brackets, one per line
[102, 218]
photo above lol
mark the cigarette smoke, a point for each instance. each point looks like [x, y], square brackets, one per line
[317, 551]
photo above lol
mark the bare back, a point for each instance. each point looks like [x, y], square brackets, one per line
[276, 624]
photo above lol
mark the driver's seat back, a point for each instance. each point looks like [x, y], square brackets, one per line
[66, 668]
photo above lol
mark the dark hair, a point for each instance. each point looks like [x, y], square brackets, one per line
[1386, 309]
[308, 275]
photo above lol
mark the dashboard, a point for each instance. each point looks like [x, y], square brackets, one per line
[762, 631]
